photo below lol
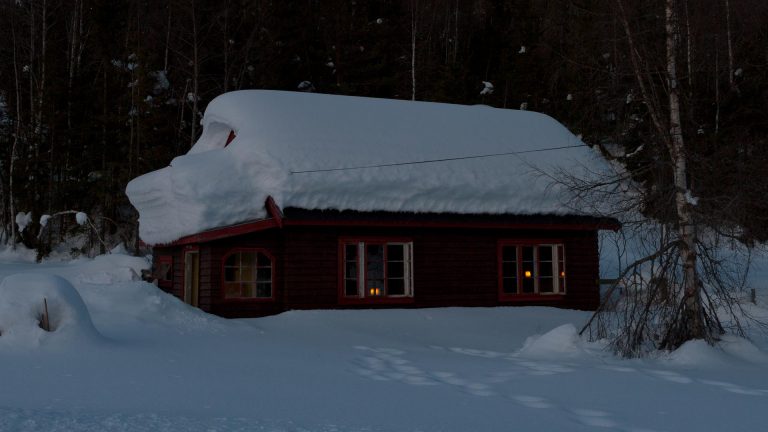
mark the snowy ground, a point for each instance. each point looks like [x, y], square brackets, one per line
[162, 366]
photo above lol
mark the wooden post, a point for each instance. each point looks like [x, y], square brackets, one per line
[45, 322]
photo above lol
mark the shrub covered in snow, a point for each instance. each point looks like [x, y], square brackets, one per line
[23, 299]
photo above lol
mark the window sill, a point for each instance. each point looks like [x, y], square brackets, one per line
[531, 297]
[247, 300]
[374, 301]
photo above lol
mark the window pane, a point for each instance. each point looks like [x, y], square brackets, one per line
[374, 287]
[350, 287]
[509, 253]
[264, 274]
[231, 274]
[232, 260]
[395, 269]
[247, 289]
[546, 285]
[528, 271]
[395, 287]
[545, 269]
[375, 262]
[231, 290]
[527, 253]
[164, 270]
[264, 289]
[509, 269]
[545, 253]
[528, 286]
[246, 274]
[510, 285]
[248, 259]
[350, 271]
[350, 252]
[395, 253]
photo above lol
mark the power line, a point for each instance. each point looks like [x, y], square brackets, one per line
[435, 160]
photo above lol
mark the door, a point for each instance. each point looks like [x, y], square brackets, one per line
[191, 277]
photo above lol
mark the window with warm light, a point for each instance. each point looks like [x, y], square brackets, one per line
[248, 275]
[377, 269]
[531, 269]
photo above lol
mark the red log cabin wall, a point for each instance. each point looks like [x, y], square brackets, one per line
[451, 267]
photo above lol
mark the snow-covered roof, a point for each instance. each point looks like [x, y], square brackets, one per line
[284, 138]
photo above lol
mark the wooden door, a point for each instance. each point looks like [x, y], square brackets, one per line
[191, 277]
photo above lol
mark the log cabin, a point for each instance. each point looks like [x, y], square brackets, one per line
[307, 201]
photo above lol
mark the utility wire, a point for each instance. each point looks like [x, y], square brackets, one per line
[435, 160]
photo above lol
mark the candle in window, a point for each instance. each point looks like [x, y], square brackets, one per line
[528, 273]
[562, 274]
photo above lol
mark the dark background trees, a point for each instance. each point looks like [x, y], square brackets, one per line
[95, 92]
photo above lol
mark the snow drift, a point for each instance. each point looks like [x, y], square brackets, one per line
[291, 145]
[22, 299]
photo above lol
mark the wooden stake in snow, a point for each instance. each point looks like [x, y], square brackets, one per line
[45, 322]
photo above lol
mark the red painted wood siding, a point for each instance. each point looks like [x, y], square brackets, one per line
[451, 267]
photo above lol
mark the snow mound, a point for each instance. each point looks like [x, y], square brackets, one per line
[143, 302]
[108, 269]
[298, 148]
[563, 341]
[701, 354]
[22, 299]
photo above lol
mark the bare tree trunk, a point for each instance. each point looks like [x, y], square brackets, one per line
[167, 41]
[689, 50]
[692, 312]
[456, 33]
[730, 41]
[226, 46]
[717, 88]
[16, 135]
[195, 75]
[414, 15]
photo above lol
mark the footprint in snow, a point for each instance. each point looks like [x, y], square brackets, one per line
[477, 353]
[617, 368]
[734, 388]
[385, 364]
[670, 376]
[532, 401]
[594, 418]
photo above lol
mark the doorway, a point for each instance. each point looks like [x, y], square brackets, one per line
[191, 277]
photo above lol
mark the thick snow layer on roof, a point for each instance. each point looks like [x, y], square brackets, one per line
[281, 135]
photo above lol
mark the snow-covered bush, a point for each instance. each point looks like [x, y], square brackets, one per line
[23, 298]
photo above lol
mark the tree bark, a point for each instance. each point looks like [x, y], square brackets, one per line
[692, 311]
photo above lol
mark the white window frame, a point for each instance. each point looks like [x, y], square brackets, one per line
[361, 267]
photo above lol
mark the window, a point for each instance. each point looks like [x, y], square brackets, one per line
[248, 275]
[163, 272]
[529, 269]
[376, 269]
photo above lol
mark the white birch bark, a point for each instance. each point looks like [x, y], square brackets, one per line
[676, 147]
